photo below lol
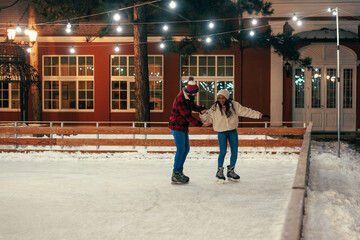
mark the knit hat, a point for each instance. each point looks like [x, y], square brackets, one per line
[224, 92]
[191, 86]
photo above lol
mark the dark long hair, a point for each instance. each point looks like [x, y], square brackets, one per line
[228, 112]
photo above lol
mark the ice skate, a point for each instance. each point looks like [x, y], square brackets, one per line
[183, 175]
[232, 176]
[179, 178]
[220, 178]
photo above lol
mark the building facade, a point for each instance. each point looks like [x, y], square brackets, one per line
[96, 83]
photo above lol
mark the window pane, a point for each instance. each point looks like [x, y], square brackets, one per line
[68, 95]
[331, 88]
[221, 61]
[316, 88]
[348, 88]
[206, 93]
[299, 87]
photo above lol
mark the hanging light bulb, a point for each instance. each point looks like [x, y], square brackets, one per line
[117, 49]
[18, 29]
[165, 27]
[162, 45]
[254, 21]
[119, 29]
[172, 4]
[208, 40]
[252, 33]
[294, 18]
[299, 23]
[72, 49]
[28, 49]
[117, 17]
[211, 25]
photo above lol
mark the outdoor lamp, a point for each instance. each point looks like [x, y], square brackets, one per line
[32, 35]
[11, 32]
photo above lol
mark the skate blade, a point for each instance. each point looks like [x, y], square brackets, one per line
[233, 180]
[179, 183]
[220, 181]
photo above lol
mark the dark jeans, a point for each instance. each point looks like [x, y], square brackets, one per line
[182, 148]
[223, 137]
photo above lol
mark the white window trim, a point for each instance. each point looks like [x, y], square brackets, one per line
[68, 78]
[216, 65]
[9, 109]
[129, 79]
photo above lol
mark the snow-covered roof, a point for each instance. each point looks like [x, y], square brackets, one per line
[326, 33]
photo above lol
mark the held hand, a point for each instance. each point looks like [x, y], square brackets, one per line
[265, 116]
[202, 109]
[206, 124]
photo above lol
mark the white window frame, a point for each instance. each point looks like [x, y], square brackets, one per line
[9, 108]
[215, 78]
[128, 79]
[61, 79]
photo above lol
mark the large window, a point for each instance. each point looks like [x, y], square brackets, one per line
[212, 73]
[68, 82]
[123, 83]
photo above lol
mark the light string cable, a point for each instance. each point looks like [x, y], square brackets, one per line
[186, 21]
[349, 14]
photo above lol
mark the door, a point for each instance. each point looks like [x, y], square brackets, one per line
[315, 97]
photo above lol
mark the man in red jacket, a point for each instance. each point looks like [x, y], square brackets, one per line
[179, 126]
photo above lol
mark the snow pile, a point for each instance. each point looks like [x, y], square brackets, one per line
[333, 203]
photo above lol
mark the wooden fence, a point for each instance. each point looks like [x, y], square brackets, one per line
[62, 136]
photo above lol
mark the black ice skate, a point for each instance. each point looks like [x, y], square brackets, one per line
[220, 178]
[179, 178]
[182, 174]
[232, 176]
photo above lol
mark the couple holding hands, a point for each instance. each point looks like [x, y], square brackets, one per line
[223, 115]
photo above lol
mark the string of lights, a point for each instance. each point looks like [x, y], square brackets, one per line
[207, 38]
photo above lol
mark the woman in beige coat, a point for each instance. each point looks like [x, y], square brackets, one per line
[224, 116]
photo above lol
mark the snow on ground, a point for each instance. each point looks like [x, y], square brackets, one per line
[333, 202]
[54, 196]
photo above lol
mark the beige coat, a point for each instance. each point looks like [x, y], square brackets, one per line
[222, 123]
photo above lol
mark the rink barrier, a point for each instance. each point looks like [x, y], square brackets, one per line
[293, 226]
[10, 135]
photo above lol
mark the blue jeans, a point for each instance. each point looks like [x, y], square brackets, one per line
[232, 135]
[182, 148]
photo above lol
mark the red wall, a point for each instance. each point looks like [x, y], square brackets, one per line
[254, 92]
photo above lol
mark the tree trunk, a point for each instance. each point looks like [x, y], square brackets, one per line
[34, 90]
[142, 103]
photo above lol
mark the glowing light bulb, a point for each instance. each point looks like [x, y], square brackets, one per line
[211, 25]
[252, 33]
[172, 4]
[117, 17]
[294, 18]
[254, 21]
